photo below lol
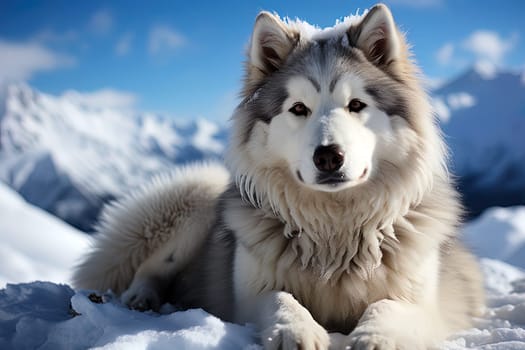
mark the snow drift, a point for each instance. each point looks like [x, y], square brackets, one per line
[43, 315]
[35, 245]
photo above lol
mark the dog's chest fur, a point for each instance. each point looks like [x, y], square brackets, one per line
[334, 275]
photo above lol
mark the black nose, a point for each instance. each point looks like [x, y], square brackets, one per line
[329, 158]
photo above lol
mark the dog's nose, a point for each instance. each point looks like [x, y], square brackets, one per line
[329, 158]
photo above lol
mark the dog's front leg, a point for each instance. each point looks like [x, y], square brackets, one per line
[396, 325]
[283, 322]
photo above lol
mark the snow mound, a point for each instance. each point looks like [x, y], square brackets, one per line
[44, 315]
[34, 244]
[499, 234]
[502, 325]
[49, 316]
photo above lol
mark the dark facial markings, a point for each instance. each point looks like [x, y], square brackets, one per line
[262, 106]
[331, 59]
[388, 100]
[314, 82]
[333, 83]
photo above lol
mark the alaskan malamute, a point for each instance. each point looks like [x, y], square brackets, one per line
[339, 224]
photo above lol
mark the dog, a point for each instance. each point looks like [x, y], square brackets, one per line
[335, 224]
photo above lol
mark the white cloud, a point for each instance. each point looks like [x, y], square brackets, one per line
[488, 45]
[101, 22]
[123, 45]
[445, 53]
[105, 98]
[20, 61]
[164, 39]
[460, 100]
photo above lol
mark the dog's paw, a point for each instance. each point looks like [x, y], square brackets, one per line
[372, 342]
[389, 325]
[380, 337]
[303, 335]
[141, 296]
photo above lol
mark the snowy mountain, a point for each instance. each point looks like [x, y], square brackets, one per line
[483, 117]
[69, 155]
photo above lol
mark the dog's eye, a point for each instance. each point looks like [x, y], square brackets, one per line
[299, 109]
[356, 106]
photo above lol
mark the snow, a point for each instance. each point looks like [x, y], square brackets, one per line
[499, 234]
[486, 69]
[46, 315]
[90, 147]
[482, 114]
[501, 326]
[203, 138]
[35, 245]
[485, 121]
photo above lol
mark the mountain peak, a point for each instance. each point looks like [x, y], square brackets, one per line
[485, 70]
[100, 145]
[483, 115]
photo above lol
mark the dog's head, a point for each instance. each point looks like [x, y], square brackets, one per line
[329, 107]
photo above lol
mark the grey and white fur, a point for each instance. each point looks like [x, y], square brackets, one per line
[338, 226]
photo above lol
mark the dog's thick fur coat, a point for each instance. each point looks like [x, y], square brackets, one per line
[339, 225]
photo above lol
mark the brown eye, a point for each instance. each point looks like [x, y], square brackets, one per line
[299, 109]
[356, 106]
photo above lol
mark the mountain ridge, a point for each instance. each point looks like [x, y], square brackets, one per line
[70, 157]
[60, 153]
[482, 114]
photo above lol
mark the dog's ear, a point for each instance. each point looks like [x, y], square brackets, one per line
[377, 36]
[270, 44]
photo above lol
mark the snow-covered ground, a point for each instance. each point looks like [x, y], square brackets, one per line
[34, 245]
[499, 234]
[45, 315]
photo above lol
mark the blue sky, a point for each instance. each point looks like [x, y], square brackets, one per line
[185, 58]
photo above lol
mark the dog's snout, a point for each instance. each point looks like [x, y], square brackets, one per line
[328, 158]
